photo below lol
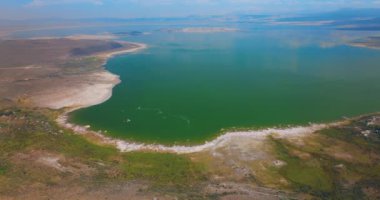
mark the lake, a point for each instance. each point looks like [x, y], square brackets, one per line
[190, 87]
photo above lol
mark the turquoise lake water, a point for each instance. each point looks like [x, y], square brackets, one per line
[187, 87]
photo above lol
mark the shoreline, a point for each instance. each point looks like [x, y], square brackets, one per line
[98, 92]
[222, 140]
[219, 141]
[108, 55]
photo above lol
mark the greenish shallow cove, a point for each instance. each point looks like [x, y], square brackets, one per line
[187, 88]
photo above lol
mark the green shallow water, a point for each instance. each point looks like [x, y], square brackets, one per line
[186, 88]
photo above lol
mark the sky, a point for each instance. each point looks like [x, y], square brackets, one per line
[29, 9]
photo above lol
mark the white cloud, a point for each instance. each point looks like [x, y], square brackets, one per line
[38, 3]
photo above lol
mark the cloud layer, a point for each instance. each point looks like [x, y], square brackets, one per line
[57, 2]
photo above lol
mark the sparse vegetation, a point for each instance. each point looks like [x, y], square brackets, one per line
[338, 160]
[306, 174]
[162, 168]
[36, 154]
[31, 141]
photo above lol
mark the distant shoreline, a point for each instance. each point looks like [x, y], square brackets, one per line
[369, 42]
[364, 45]
[96, 99]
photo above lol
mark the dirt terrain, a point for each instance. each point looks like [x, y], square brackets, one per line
[58, 73]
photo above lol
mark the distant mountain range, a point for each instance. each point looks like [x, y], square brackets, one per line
[345, 19]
